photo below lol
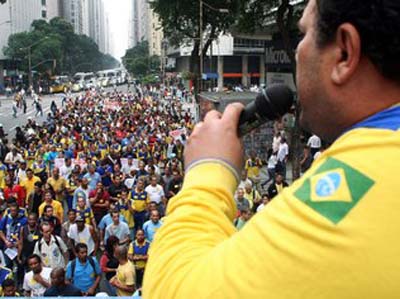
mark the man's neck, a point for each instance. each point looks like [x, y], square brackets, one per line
[123, 262]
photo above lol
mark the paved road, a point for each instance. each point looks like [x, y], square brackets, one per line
[10, 123]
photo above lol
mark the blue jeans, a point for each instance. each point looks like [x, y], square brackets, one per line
[111, 291]
[140, 218]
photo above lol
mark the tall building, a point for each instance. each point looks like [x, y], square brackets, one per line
[87, 17]
[77, 13]
[155, 33]
[145, 26]
[103, 28]
[97, 22]
[17, 16]
[140, 22]
[52, 8]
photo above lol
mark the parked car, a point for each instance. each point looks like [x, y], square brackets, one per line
[60, 84]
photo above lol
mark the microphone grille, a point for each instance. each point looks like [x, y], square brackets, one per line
[276, 101]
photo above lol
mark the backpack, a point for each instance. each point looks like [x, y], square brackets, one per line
[57, 243]
[73, 266]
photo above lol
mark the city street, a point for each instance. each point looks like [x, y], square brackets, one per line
[10, 123]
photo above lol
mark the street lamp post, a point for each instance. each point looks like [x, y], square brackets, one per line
[6, 22]
[29, 48]
[201, 46]
[220, 10]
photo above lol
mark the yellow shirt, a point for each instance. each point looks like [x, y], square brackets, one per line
[58, 185]
[124, 210]
[29, 185]
[253, 168]
[87, 213]
[253, 196]
[126, 275]
[3, 172]
[57, 208]
[332, 234]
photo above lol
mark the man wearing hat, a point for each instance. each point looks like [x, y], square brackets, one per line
[80, 232]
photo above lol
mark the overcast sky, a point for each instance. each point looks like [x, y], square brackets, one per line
[119, 14]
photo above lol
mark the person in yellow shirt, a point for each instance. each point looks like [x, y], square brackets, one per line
[138, 254]
[59, 185]
[125, 206]
[252, 195]
[57, 207]
[334, 232]
[140, 200]
[84, 211]
[253, 166]
[29, 183]
[3, 173]
[124, 281]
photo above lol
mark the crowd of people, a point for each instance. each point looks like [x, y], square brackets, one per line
[84, 192]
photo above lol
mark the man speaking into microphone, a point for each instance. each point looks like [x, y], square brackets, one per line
[335, 232]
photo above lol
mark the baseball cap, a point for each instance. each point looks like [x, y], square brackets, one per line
[79, 218]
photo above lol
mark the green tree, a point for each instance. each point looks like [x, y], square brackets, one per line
[138, 62]
[56, 40]
[280, 17]
[180, 20]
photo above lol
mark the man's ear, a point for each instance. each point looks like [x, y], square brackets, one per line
[347, 53]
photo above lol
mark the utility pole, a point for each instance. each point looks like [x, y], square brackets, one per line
[201, 47]
[30, 79]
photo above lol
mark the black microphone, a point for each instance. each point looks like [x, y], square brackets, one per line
[271, 104]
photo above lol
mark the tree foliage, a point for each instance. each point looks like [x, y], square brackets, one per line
[56, 40]
[138, 61]
[261, 13]
[180, 20]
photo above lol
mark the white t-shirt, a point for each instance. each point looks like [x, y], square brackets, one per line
[84, 236]
[10, 158]
[275, 143]
[50, 253]
[127, 169]
[243, 183]
[314, 142]
[155, 193]
[283, 151]
[272, 161]
[31, 285]
[317, 154]
[65, 171]
[260, 208]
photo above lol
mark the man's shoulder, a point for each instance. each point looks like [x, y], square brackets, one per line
[122, 223]
[51, 292]
[46, 272]
[146, 224]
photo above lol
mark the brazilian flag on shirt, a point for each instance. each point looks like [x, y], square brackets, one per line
[334, 189]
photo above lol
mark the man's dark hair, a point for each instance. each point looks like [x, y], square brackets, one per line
[13, 203]
[8, 283]
[33, 214]
[38, 184]
[80, 246]
[46, 207]
[35, 256]
[378, 23]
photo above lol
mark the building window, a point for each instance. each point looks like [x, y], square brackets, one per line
[44, 2]
[44, 14]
